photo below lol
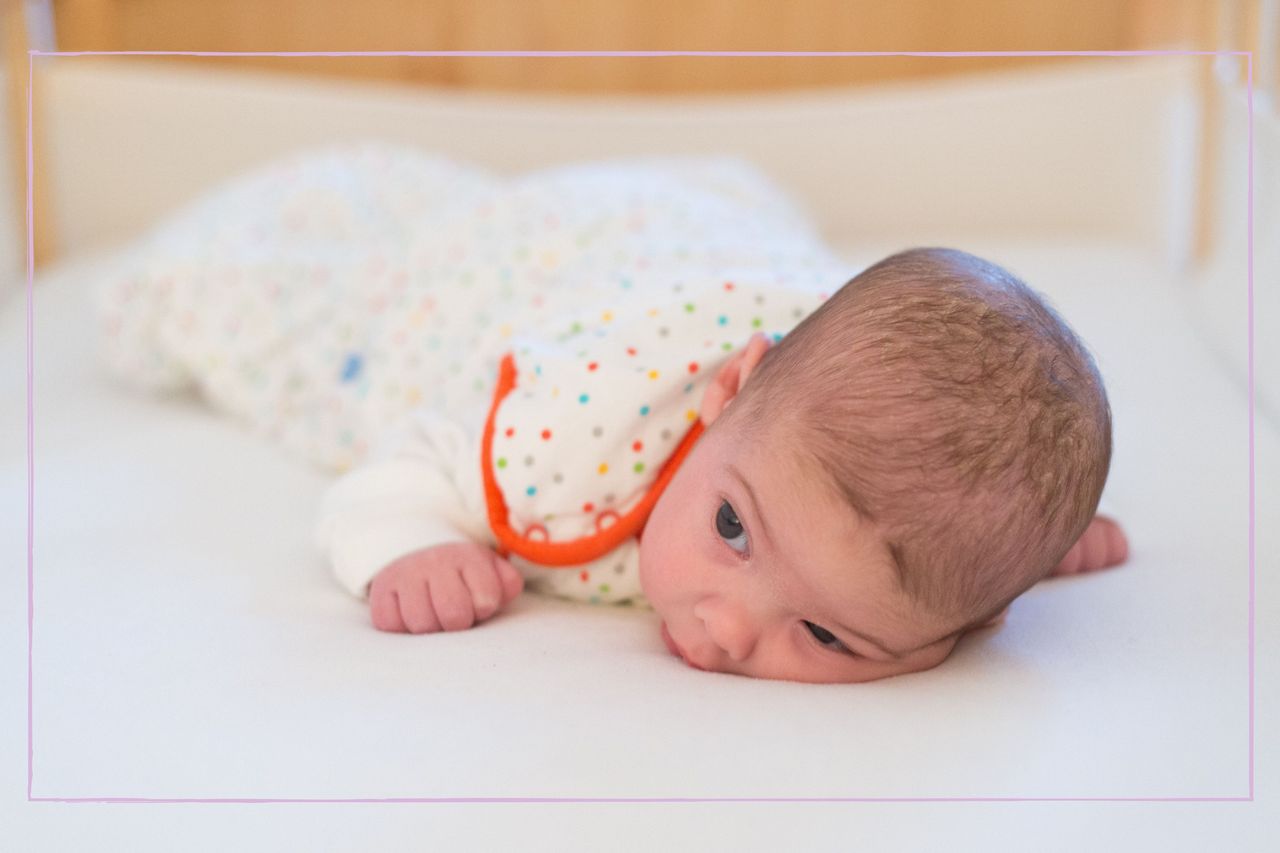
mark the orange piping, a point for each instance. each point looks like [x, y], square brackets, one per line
[586, 548]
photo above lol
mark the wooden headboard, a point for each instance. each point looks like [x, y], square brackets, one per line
[549, 25]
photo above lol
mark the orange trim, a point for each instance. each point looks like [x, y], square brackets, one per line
[586, 548]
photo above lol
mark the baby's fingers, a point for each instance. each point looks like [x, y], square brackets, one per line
[1117, 542]
[452, 600]
[509, 575]
[384, 609]
[416, 607]
[481, 577]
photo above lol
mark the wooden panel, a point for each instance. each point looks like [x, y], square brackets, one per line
[616, 25]
[800, 25]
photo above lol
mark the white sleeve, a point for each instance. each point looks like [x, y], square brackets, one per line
[421, 487]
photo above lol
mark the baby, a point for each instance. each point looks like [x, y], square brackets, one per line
[853, 498]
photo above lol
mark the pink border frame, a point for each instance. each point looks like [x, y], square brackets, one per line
[636, 53]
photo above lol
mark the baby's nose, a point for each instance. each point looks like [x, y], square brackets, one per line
[729, 626]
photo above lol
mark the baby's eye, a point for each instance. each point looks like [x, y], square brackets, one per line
[729, 528]
[823, 636]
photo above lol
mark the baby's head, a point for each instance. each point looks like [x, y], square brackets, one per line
[913, 456]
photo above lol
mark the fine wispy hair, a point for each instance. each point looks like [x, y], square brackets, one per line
[949, 404]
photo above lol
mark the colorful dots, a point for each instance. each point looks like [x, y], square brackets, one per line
[637, 445]
[593, 366]
[502, 462]
[585, 576]
[531, 491]
[688, 307]
[537, 369]
[631, 350]
[604, 468]
[546, 435]
[604, 587]
[639, 468]
[644, 410]
[722, 319]
[653, 312]
[510, 431]
[588, 507]
[607, 316]
[688, 388]
[351, 369]
[693, 367]
[777, 336]
[653, 374]
[582, 398]
[726, 346]
[728, 285]
[755, 322]
[690, 415]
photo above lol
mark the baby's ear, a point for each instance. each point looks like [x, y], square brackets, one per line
[731, 377]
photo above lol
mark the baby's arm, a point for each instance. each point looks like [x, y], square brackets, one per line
[1102, 545]
[408, 530]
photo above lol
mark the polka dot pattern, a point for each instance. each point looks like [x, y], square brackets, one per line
[639, 393]
[323, 298]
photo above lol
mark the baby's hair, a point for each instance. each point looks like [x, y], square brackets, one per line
[948, 404]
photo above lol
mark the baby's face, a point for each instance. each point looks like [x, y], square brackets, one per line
[755, 570]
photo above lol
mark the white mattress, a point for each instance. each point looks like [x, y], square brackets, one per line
[189, 644]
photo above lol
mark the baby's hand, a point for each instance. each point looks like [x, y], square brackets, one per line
[447, 587]
[1102, 545]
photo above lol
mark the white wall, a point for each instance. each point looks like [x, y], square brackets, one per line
[1098, 148]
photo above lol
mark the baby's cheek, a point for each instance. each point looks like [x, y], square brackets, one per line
[667, 546]
[656, 556]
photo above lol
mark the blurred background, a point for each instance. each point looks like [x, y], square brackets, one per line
[804, 25]
[1119, 185]
[1138, 150]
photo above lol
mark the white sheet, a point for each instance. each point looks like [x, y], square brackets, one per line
[188, 644]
